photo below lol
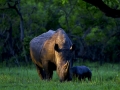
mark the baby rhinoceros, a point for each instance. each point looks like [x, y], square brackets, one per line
[81, 72]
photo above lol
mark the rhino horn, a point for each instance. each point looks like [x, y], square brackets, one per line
[66, 66]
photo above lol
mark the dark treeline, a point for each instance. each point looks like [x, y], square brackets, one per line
[96, 36]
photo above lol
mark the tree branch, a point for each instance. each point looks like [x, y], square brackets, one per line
[20, 15]
[104, 8]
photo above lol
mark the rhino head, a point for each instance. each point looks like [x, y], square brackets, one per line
[64, 62]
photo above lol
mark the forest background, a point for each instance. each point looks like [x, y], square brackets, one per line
[96, 36]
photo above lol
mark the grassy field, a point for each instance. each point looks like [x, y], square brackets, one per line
[105, 77]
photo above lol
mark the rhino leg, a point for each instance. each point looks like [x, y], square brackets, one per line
[80, 77]
[49, 74]
[48, 68]
[89, 77]
[41, 72]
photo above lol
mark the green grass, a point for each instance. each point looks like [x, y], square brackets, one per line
[105, 77]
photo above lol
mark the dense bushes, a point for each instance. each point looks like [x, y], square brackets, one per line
[96, 36]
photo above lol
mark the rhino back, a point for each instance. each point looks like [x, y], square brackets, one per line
[83, 69]
[37, 43]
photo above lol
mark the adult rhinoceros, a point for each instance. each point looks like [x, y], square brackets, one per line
[51, 51]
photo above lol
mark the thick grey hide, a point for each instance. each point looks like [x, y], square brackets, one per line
[47, 59]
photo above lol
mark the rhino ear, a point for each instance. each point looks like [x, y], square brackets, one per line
[66, 66]
[72, 47]
[56, 47]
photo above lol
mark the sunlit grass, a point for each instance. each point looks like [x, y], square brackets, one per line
[105, 77]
